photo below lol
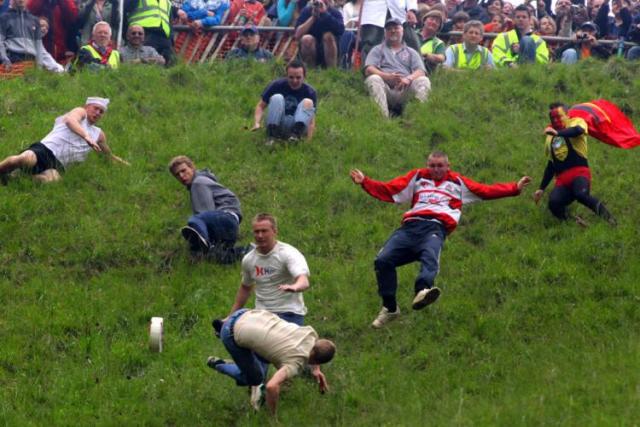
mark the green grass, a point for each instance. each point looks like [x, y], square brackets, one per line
[538, 323]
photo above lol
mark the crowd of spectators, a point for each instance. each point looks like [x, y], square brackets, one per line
[327, 31]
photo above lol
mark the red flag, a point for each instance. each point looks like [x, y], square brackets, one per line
[607, 123]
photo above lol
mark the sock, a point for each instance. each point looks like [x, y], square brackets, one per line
[390, 303]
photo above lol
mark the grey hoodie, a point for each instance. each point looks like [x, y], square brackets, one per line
[207, 194]
[20, 33]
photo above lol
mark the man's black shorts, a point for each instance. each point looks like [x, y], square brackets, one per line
[44, 159]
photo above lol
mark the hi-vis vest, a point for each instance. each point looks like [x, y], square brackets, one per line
[152, 14]
[502, 53]
[114, 58]
[431, 45]
[479, 58]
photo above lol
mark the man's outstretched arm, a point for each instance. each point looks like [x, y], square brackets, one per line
[273, 389]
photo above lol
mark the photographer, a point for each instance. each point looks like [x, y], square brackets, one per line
[318, 30]
[584, 46]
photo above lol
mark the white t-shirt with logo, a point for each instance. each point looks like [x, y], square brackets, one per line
[268, 271]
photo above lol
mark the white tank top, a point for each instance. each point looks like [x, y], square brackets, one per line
[66, 145]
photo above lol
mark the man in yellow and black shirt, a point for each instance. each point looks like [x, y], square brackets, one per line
[566, 148]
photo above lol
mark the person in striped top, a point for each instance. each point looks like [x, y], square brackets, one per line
[436, 194]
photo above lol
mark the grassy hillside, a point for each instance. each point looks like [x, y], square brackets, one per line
[538, 323]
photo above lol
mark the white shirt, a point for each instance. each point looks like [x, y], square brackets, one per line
[268, 271]
[374, 12]
[68, 146]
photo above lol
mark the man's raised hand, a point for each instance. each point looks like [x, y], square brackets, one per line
[524, 181]
[357, 176]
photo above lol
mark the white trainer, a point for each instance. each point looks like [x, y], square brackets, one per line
[425, 297]
[257, 396]
[385, 316]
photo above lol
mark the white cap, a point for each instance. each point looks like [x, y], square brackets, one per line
[102, 102]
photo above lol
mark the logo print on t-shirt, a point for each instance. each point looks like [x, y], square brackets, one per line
[264, 271]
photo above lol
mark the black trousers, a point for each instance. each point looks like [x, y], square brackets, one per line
[562, 196]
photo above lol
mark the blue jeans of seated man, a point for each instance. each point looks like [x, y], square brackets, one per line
[283, 123]
[569, 56]
[413, 241]
[246, 368]
[216, 226]
[634, 53]
[347, 41]
[527, 52]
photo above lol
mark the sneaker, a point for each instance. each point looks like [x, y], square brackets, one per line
[195, 239]
[213, 361]
[604, 213]
[293, 139]
[425, 297]
[580, 221]
[270, 142]
[298, 130]
[385, 317]
[217, 326]
[257, 396]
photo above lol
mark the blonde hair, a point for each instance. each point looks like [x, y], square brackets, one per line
[179, 160]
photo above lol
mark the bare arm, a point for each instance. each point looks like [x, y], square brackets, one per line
[243, 294]
[104, 148]
[273, 389]
[73, 119]
[311, 129]
[305, 27]
[257, 115]
[301, 284]
[320, 378]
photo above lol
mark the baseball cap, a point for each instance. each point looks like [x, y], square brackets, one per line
[589, 25]
[249, 28]
[392, 22]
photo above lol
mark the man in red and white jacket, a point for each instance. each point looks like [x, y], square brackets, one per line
[436, 195]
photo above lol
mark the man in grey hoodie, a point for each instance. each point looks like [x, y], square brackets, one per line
[20, 39]
[216, 211]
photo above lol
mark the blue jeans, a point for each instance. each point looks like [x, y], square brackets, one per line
[284, 123]
[216, 227]
[527, 50]
[413, 241]
[247, 369]
[247, 364]
[634, 53]
[569, 56]
[347, 42]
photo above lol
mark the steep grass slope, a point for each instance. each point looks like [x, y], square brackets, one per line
[538, 323]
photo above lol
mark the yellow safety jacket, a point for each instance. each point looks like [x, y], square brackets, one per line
[503, 55]
[114, 58]
[479, 58]
[152, 14]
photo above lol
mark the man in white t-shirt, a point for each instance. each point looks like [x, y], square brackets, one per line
[73, 136]
[252, 336]
[277, 271]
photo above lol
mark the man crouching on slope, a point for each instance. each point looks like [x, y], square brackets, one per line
[254, 336]
[436, 195]
[73, 136]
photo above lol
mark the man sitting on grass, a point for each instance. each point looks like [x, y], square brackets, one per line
[213, 227]
[292, 106]
[73, 136]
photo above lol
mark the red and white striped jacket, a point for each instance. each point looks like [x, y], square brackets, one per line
[441, 200]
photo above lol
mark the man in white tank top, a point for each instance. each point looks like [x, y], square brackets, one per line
[73, 136]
